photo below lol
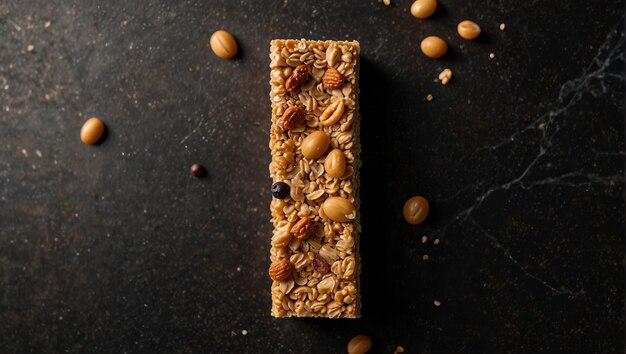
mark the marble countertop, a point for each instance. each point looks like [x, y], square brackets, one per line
[116, 248]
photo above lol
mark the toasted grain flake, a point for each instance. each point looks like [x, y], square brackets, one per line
[429, 97]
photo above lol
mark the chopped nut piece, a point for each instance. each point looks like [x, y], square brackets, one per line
[399, 349]
[291, 118]
[303, 228]
[333, 79]
[298, 76]
[429, 97]
[280, 270]
[445, 76]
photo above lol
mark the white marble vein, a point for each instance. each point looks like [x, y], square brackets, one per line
[604, 69]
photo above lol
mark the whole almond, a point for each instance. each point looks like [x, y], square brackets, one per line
[298, 76]
[293, 116]
[280, 270]
[303, 228]
[333, 79]
[333, 113]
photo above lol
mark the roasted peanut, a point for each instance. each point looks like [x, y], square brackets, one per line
[339, 209]
[315, 145]
[335, 163]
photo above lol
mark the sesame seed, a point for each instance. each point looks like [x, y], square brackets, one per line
[424, 239]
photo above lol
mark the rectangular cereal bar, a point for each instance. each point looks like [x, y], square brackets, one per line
[314, 141]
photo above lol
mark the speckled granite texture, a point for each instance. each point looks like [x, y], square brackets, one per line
[116, 248]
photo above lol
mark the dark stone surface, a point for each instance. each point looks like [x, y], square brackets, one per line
[117, 248]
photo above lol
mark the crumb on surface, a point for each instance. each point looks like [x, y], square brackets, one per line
[429, 97]
[399, 349]
[387, 2]
[437, 303]
[244, 332]
[425, 257]
[424, 239]
[502, 27]
[30, 47]
[445, 76]
[492, 55]
[436, 241]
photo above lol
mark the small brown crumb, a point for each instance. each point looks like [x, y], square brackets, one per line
[492, 55]
[429, 97]
[436, 241]
[425, 257]
[424, 239]
[244, 332]
[437, 303]
[445, 76]
[124, 22]
[542, 125]
[399, 349]
[502, 27]
[46, 24]
[387, 2]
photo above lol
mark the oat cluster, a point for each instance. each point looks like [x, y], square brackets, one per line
[323, 253]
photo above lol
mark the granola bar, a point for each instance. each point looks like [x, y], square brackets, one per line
[314, 142]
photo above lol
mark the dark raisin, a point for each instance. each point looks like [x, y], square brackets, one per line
[280, 190]
[320, 264]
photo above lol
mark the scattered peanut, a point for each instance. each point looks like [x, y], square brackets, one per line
[468, 30]
[91, 131]
[423, 8]
[415, 210]
[223, 44]
[360, 344]
[433, 47]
